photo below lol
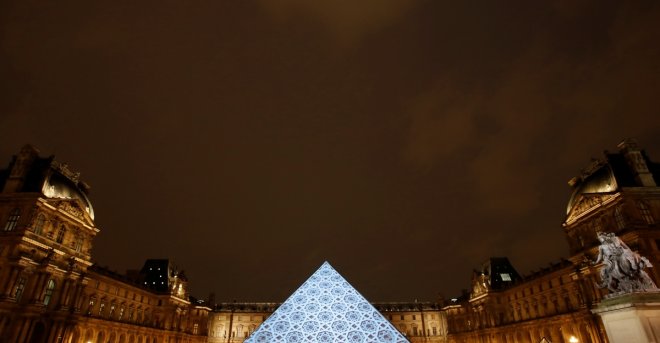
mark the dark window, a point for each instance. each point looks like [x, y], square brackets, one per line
[643, 209]
[20, 286]
[60, 234]
[618, 217]
[14, 215]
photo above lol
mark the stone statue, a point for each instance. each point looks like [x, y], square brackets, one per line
[623, 269]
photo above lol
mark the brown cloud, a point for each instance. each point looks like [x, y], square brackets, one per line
[348, 21]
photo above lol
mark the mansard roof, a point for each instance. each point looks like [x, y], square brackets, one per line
[610, 174]
[45, 175]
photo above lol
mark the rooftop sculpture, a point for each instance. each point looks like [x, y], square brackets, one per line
[623, 269]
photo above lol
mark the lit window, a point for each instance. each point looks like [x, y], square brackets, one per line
[505, 276]
[14, 215]
[196, 329]
[39, 224]
[90, 306]
[48, 294]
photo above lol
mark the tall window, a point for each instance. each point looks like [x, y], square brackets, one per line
[196, 329]
[39, 224]
[645, 211]
[90, 306]
[77, 244]
[60, 234]
[618, 217]
[50, 287]
[20, 286]
[14, 215]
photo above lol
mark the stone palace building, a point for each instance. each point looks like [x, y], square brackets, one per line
[50, 291]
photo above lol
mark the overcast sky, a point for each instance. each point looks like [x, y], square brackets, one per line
[403, 141]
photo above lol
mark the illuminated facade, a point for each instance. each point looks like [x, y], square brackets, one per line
[618, 193]
[49, 289]
[51, 292]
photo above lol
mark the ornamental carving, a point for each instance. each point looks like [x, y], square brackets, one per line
[71, 209]
[588, 202]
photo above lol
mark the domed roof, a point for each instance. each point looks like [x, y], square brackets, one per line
[602, 180]
[60, 187]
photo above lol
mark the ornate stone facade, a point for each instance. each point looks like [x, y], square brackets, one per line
[49, 289]
[418, 321]
[51, 292]
[616, 194]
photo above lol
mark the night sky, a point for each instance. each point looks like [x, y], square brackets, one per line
[403, 141]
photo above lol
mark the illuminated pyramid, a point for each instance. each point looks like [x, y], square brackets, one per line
[326, 308]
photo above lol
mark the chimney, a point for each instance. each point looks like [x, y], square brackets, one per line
[636, 163]
[19, 169]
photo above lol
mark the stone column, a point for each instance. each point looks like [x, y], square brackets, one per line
[8, 286]
[37, 290]
[62, 302]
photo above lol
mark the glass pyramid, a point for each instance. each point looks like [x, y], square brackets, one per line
[326, 308]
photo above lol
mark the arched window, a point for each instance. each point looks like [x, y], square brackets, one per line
[14, 215]
[48, 294]
[618, 217]
[645, 211]
[60, 234]
[39, 223]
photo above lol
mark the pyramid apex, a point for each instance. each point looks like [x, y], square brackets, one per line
[326, 308]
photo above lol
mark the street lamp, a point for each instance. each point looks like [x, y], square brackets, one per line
[573, 339]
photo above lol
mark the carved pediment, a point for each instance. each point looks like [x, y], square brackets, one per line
[75, 208]
[587, 202]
